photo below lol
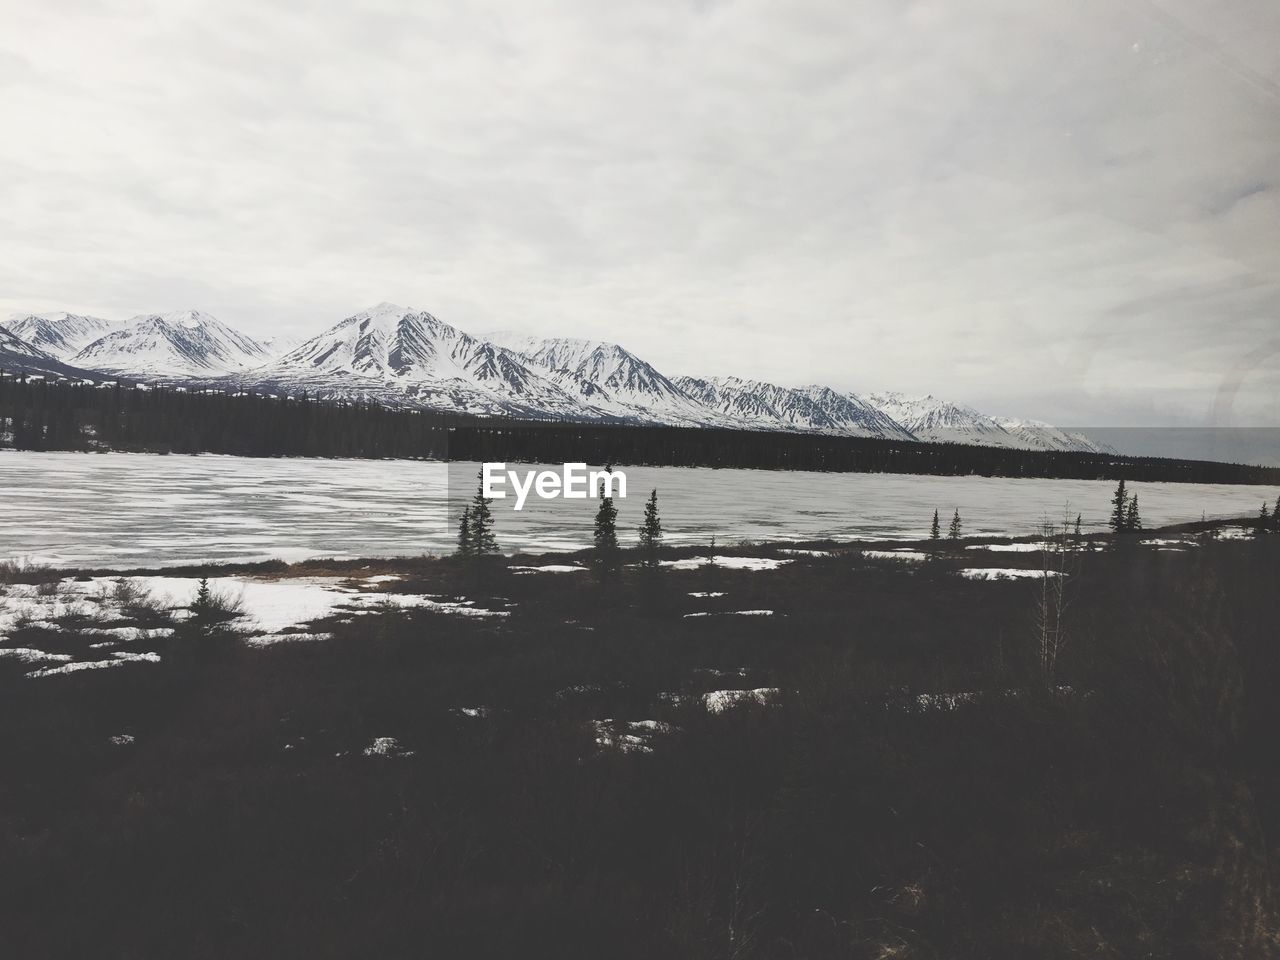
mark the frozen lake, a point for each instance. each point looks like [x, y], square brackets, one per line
[130, 510]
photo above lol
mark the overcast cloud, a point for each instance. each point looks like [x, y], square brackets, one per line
[1067, 211]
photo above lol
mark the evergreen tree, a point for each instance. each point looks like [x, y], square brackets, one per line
[1077, 526]
[464, 533]
[651, 530]
[1264, 520]
[482, 540]
[1119, 518]
[605, 536]
[202, 606]
[202, 609]
[935, 530]
[1132, 520]
[953, 532]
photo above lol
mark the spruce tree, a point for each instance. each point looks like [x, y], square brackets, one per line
[202, 609]
[1077, 526]
[953, 532]
[605, 536]
[203, 604]
[935, 531]
[1118, 504]
[464, 533]
[1264, 520]
[1132, 520]
[483, 542]
[651, 530]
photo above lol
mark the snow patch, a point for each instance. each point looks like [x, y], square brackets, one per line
[270, 639]
[30, 655]
[386, 747]
[629, 736]
[1008, 573]
[913, 556]
[731, 613]
[720, 701]
[121, 658]
[1008, 547]
[728, 563]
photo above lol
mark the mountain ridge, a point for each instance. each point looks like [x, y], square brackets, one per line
[403, 357]
[184, 343]
[60, 334]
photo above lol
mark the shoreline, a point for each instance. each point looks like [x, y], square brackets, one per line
[1234, 528]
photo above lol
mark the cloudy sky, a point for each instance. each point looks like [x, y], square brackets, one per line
[1067, 211]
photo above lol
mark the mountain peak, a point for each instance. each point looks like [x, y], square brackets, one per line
[189, 318]
[386, 310]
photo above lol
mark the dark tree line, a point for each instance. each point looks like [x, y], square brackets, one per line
[47, 415]
[42, 415]
[714, 447]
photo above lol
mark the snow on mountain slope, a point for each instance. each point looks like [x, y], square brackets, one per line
[611, 380]
[812, 409]
[14, 345]
[183, 344]
[18, 357]
[279, 345]
[940, 421]
[1038, 435]
[404, 357]
[59, 334]
[851, 415]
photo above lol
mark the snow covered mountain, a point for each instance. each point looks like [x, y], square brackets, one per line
[942, 421]
[18, 357]
[173, 345]
[610, 380]
[58, 334]
[812, 409]
[1038, 435]
[408, 358]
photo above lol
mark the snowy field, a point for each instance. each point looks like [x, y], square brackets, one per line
[132, 510]
[266, 612]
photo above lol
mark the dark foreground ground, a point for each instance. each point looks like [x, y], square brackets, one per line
[916, 787]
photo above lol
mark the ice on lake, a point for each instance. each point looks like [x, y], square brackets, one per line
[135, 510]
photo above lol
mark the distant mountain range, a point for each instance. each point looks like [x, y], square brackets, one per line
[408, 358]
